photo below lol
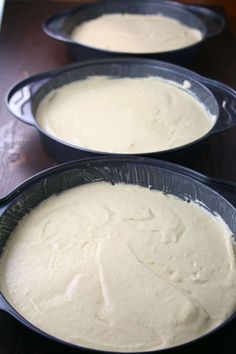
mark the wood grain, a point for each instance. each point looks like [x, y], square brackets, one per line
[229, 5]
[25, 50]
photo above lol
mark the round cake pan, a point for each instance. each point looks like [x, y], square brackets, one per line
[207, 21]
[23, 99]
[150, 173]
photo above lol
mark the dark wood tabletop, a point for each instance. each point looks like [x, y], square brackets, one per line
[26, 50]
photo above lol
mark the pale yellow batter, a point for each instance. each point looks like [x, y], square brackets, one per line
[135, 33]
[120, 268]
[123, 115]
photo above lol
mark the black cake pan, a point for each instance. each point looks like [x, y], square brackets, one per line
[23, 99]
[215, 195]
[209, 22]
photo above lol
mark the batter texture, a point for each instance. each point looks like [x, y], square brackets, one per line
[135, 33]
[123, 115]
[120, 268]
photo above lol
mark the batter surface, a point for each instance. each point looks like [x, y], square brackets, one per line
[120, 268]
[135, 33]
[123, 115]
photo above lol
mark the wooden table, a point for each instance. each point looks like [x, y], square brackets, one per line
[25, 50]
